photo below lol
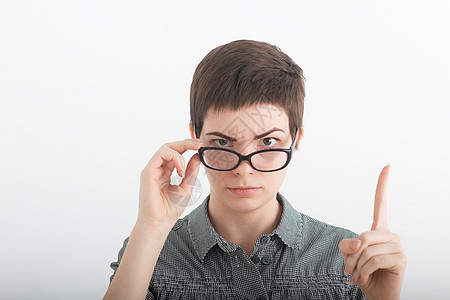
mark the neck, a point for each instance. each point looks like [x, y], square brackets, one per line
[244, 226]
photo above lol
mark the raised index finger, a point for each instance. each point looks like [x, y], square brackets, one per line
[380, 207]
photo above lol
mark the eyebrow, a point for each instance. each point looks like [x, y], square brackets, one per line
[235, 140]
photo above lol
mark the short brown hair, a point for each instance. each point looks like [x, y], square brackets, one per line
[244, 73]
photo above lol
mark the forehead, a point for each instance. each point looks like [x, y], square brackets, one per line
[251, 121]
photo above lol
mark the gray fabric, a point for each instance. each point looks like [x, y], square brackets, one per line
[300, 259]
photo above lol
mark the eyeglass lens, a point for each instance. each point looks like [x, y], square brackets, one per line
[225, 160]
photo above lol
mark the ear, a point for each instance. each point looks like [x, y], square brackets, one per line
[191, 130]
[299, 137]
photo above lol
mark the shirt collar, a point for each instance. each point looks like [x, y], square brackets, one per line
[204, 236]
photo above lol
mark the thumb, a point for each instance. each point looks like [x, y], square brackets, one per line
[187, 184]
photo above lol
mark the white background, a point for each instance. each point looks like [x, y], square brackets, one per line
[90, 90]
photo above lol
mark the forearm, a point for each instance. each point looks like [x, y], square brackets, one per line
[135, 270]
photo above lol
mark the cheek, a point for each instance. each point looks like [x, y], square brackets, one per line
[214, 176]
[276, 179]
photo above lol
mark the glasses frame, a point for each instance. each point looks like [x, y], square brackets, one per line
[248, 157]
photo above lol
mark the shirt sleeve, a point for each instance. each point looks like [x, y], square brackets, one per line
[114, 265]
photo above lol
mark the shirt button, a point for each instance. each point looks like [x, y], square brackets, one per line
[255, 259]
[265, 260]
[264, 240]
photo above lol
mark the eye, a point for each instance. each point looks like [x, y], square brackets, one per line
[218, 142]
[266, 141]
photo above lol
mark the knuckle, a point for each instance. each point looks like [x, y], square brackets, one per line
[367, 253]
[364, 236]
[376, 260]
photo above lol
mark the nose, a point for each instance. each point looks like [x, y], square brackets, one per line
[244, 168]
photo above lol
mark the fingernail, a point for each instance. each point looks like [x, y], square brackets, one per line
[347, 269]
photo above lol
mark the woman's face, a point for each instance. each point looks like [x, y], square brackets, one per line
[237, 130]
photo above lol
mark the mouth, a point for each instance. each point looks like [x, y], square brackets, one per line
[244, 190]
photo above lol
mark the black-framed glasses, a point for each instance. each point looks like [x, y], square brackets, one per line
[267, 160]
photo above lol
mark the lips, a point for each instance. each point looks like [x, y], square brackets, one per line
[244, 187]
[244, 190]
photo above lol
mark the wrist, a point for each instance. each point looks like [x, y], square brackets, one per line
[152, 228]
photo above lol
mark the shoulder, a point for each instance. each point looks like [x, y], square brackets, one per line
[179, 245]
[313, 228]
[299, 229]
[319, 243]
